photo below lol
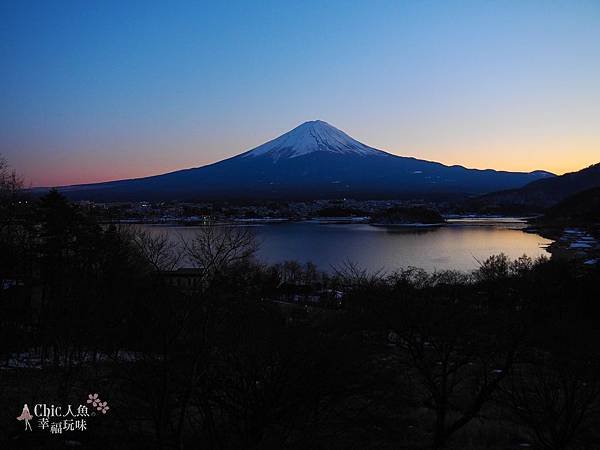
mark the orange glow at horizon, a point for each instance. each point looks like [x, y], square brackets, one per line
[558, 159]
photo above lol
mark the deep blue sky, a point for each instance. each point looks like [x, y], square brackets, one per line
[102, 90]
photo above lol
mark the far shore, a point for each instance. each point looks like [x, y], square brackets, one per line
[450, 220]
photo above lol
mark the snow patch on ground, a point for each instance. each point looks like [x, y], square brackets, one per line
[579, 244]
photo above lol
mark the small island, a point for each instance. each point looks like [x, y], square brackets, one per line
[414, 216]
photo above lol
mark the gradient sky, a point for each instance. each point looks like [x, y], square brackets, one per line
[104, 90]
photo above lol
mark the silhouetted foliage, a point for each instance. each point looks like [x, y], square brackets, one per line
[231, 353]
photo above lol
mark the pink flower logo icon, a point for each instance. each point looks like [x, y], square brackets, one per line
[98, 403]
[94, 400]
[102, 406]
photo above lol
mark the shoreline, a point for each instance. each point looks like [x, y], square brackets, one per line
[344, 220]
[579, 242]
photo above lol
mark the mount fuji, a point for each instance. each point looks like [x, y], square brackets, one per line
[313, 161]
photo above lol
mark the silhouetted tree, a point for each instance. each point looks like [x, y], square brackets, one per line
[214, 247]
[458, 346]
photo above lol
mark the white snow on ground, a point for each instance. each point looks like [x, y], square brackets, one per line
[584, 244]
[579, 244]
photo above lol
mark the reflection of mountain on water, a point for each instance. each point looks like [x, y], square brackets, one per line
[401, 230]
[413, 216]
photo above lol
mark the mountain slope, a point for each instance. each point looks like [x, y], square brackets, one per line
[541, 194]
[583, 207]
[314, 160]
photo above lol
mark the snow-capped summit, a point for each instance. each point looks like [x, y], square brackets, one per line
[313, 161]
[313, 136]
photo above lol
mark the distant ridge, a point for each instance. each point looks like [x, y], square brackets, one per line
[541, 194]
[313, 161]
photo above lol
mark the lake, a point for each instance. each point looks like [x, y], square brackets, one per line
[458, 245]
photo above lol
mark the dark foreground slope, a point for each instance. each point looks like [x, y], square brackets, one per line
[242, 355]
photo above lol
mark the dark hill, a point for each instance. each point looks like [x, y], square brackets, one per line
[581, 208]
[541, 194]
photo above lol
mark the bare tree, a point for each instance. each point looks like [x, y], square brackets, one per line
[352, 276]
[456, 347]
[15, 238]
[214, 247]
[181, 344]
[556, 400]
[10, 181]
[459, 364]
[160, 251]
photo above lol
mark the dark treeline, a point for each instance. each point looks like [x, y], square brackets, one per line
[238, 355]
